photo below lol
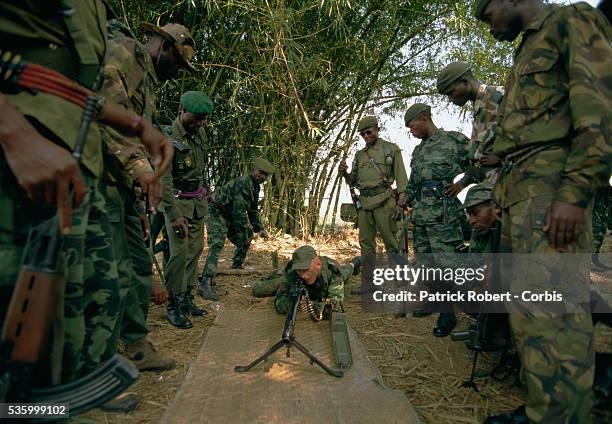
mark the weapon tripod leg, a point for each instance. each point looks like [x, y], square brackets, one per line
[270, 351]
[332, 372]
[470, 383]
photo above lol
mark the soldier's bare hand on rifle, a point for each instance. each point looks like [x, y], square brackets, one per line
[159, 294]
[563, 224]
[489, 160]
[343, 167]
[152, 189]
[44, 170]
[454, 189]
[180, 227]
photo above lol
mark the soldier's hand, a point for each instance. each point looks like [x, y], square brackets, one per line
[563, 224]
[152, 189]
[44, 170]
[264, 234]
[453, 189]
[343, 167]
[489, 160]
[159, 294]
[402, 200]
[159, 146]
[180, 227]
[397, 213]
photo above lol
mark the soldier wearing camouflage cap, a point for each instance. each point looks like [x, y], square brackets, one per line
[481, 211]
[323, 277]
[457, 82]
[233, 214]
[130, 71]
[374, 170]
[553, 139]
[437, 215]
[185, 204]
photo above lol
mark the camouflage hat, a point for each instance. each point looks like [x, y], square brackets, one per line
[302, 257]
[179, 35]
[197, 102]
[451, 73]
[477, 194]
[414, 110]
[479, 8]
[263, 165]
[367, 122]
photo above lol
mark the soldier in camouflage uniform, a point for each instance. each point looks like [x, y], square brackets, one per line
[553, 139]
[233, 214]
[374, 170]
[130, 70]
[457, 82]
[481, 212]
[323, 277]
[602, 213]
[436, 161]
[185, 206]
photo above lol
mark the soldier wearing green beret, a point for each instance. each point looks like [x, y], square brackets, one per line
[185, 205]
[233, 214]
[437, 215]
[323, 277]
[374, 170]
[457, 82]
[554, 143]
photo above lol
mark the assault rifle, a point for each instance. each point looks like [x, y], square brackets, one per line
[30, 315]
[297, 294]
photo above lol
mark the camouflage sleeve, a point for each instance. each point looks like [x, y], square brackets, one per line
[399, 171]
[411, 189]
[168, 203]
[241, 204]
[587, 59]
[128, 150]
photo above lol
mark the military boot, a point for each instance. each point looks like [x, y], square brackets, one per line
[517, 416]
[237, 265]
[188, 307]
[174, 314]
[123, 403]
[356, 261]
[446, 323]
[205, 290]
[143, 355]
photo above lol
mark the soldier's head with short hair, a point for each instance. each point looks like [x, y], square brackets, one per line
[418, 120]
[306, 263]
[171, 48]
[481, 208]
[260, 169]
[457, 82]
[368, 129]
[506, 18]
[195, 109]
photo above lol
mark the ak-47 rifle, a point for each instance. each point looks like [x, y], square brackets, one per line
[30, 315]
[298, 293]
[354, 195]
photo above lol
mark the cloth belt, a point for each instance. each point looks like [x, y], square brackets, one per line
[187, 186]
[431, 188]
[197, 194]
[373, 191]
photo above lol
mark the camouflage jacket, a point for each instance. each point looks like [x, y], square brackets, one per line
[128, 80]
[484, 129]
[237, 200]
[186, 173]
[38, 32]
[556, 117]
[367, 178]
[439, 158]
[329, 285]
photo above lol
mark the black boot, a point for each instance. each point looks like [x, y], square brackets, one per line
[236, 265]
[174, 314]
[205, 290]
[356, 261]
[517, 416]
[188, 307]
[446, 323]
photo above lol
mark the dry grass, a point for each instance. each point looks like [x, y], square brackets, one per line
[427, 369]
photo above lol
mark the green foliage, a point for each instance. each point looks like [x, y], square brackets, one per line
[290, 79]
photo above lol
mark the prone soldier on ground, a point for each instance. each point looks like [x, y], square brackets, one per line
[233, 214]
[553, 139]
[437, 215]
[185, 205]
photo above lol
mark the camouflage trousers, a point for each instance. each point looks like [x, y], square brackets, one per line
[556, 350]
[220, 228]
[133, 264]
[182, 267]
[91, 301]
[378, 221]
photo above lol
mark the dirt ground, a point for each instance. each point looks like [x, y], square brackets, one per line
[427, 369]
